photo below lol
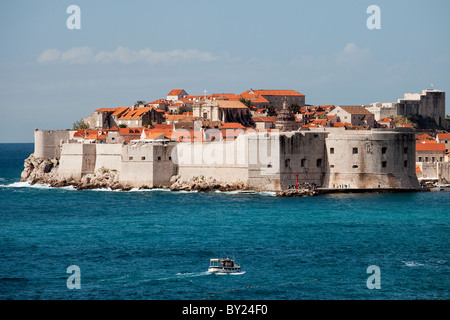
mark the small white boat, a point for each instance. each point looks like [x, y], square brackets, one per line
[223, 266]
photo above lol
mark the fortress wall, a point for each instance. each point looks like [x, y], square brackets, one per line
[77, 159]
[444, 172]
[109, 156]
[302, 153]
[226, 161]
[47, 143]
[439, 170]
[146, 164]
[371, 159]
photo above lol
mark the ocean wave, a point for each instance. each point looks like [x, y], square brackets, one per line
[27, 184]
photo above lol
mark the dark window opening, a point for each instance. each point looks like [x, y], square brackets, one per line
[319, 162]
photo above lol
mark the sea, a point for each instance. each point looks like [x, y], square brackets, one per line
[64, 244]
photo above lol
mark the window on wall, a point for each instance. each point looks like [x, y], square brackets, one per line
[405, 150]
[354, 166]
[287, 163]
[383, 164]
[303, 163]
[405, 163]
[420, 159]
[319, 162]
[331, 150]
[355, 150]
[142, 158]
[383, 150]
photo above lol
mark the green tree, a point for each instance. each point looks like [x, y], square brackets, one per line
[122, 125]
[271, 111]
[182, 110]
[248, 103]
[140, 102]
[295, 108]
[80, 125]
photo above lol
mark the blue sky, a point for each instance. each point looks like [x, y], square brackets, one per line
[125, 51]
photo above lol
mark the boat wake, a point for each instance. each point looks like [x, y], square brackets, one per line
[412, 264]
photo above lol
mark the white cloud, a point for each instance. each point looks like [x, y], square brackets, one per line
[124, 55]
[350, 56]
[77, 55]
[49, 55]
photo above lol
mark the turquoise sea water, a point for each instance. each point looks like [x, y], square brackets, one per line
[157, 244]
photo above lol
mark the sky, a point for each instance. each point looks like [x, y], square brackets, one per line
[124, 51]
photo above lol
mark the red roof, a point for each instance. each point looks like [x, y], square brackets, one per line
[265, 119]
[232, 125]
[430, 146]
[443, 136]
[424, 136]
[130, 131]
[275, 92]
[175, 92]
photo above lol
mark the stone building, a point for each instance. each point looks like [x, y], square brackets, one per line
[223, 110]
[429, 103]
[430, 152]
[355, 115]
[286, 119]
[267, 98]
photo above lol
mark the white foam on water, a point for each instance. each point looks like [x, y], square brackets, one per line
[412, 264]
[26, 184]
[147, 190]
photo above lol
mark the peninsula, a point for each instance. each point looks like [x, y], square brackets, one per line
[260, 140]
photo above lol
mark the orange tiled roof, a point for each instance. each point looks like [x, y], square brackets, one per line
[424, 136]
[232, 125]
[265, 119]
[137, 113]
[430, 146]
[128, 131]
[119, 111]
[174, 117]
[106, 110]
[175, 92]
[443, 136]
[263, 92]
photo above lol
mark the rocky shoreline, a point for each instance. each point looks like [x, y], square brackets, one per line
[45, 171]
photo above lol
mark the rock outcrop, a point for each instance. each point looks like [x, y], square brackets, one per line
[203, 184]
[45, 171]
[296, 193]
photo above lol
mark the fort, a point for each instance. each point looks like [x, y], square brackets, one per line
[330, 158]
[252, 141]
